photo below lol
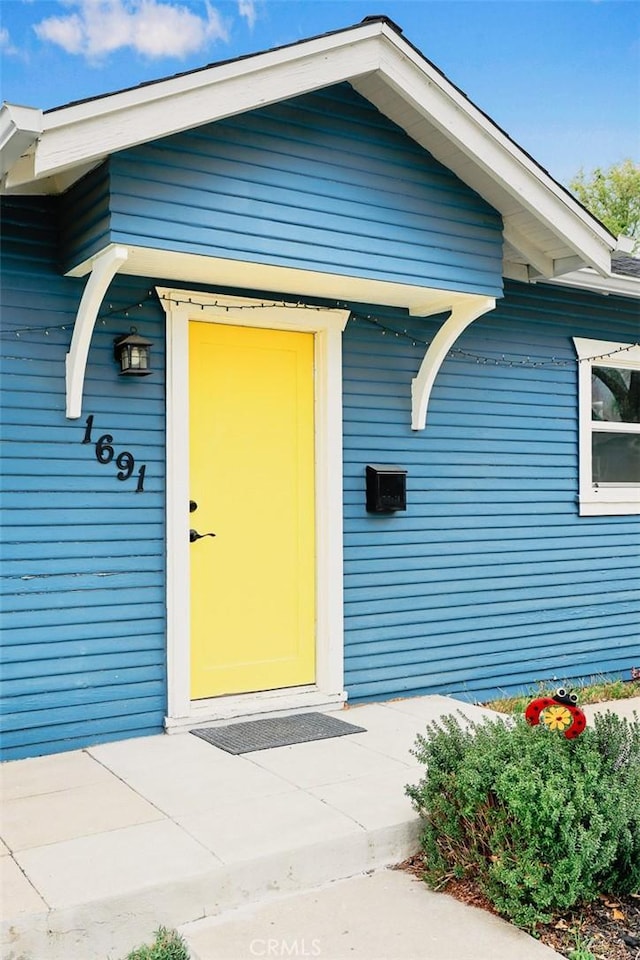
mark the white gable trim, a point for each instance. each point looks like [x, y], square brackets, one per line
[382, 66]
[20, 127]
[615, 283]
[493, 155]
[88, 132]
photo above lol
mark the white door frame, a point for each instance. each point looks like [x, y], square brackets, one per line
[327, 325]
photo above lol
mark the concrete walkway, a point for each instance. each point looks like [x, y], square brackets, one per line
[101, 846]
[387, 915]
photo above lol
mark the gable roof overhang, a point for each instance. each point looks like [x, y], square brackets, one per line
[625, 285]
[547, 232]
[20, 128]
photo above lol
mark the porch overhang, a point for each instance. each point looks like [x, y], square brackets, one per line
[283, 282]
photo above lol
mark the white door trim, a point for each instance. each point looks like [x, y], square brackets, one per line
[327, 325]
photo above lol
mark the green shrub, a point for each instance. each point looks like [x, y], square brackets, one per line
[168, 945]
[539, 822]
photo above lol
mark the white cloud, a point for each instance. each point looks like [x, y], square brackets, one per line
[5, 42]
[247, 9]
[65, 31]
[153, 28]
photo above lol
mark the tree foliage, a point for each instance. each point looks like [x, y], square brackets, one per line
[612, 195]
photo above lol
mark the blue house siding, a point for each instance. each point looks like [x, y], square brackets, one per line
[323, 182]
[490, 580]
[85, 222]
[83, 573]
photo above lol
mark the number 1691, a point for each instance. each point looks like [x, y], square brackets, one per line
[125, 461]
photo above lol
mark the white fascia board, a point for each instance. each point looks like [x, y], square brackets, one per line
[626, 244]
[449, 111]
[87, 132]
[20, 127]
[614, 283]
[90, 131]
[204, 78]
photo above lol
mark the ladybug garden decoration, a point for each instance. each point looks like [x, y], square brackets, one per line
[559, 712]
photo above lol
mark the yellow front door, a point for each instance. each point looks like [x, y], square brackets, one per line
[251, 423]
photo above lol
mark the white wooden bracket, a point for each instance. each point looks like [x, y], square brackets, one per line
[462, 314]
[105, 266]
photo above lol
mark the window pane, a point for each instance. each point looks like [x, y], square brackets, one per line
[616, 457]
[615, 394]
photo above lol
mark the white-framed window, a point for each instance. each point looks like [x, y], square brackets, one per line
[609, 410]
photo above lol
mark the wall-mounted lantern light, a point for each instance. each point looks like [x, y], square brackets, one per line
[133, 352]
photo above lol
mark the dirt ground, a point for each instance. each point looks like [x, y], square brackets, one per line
[609, 927]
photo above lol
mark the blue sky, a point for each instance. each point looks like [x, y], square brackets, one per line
[562, 77]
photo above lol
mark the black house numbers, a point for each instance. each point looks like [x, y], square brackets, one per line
[105, 453]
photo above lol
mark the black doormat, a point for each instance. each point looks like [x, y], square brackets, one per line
[276, 732]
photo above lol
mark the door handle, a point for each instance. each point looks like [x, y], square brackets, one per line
[194, 535]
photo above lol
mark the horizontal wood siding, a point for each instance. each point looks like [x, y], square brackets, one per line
[323, 182]
[490, 580]
[82, 587]
[85, 218]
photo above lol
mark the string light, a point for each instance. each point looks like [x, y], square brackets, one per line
[101, 319]
[457, 353]
[501, 361]
[285, 304]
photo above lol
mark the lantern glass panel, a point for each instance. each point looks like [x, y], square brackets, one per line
[133, 353]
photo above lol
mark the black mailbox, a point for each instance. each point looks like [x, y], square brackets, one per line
[386, 488]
